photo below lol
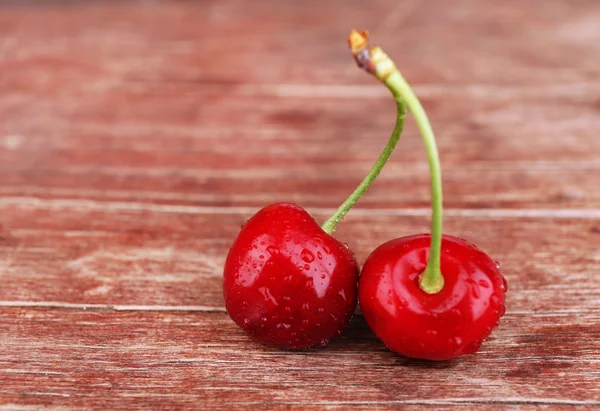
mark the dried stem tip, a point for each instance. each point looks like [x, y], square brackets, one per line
[358, 41]
[373, 60]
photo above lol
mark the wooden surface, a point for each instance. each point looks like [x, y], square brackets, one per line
[136, 138]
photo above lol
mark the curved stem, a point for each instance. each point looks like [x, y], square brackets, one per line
[376, 62]
[333, 221]
[431, 280]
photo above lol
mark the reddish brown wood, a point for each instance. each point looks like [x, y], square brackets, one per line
[114, 360]
[84, 253]
[306, 150]
[136, 137]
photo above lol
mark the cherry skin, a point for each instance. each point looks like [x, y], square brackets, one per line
[437, 326]
[286, 282]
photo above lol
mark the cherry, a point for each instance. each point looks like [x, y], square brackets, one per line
[436, 326]
[287, 283]
[426, 296]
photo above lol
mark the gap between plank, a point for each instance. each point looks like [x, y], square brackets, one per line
[111, 307]
[75, 204]
[212, 309]
[446, 401]
[430, 90]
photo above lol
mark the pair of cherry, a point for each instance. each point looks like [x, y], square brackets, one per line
[289, 284]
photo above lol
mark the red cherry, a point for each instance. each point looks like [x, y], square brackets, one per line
[436, 326]
[286, 282]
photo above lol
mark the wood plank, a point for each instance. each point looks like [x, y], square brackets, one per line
[157, 41]
[172, 360]
[147, 257]
[310, 153]
[136, 137]
[94, 117]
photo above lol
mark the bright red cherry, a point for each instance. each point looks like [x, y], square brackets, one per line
[426, 296]
[287, 283]
[438, 326]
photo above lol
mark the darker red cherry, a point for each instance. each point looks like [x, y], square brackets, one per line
[287, 283]
[436, 326]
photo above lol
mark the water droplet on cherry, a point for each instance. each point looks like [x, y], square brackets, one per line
[504, 283]
[473, 347]
[309, 283]
[502, 310]
[475, 290]
[494, 301]
[307, 256]
[455, 312]
[431, 333]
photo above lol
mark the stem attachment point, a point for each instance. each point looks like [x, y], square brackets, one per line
[431, 281]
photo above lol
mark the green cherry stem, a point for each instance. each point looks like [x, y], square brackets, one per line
[343, 209]
[358, 48]
[376, 62]
[432, 280]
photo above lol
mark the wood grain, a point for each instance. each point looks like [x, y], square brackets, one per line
[161, 257]
[136, 137]
[259, 160]
[185, 359]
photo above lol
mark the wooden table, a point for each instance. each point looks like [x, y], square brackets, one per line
[136, 138]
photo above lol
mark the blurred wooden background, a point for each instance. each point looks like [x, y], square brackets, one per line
[136, 138]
